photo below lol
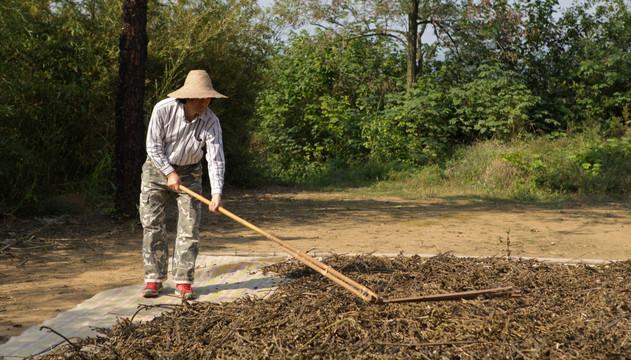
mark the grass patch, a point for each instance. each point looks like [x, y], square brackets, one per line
[583, 167]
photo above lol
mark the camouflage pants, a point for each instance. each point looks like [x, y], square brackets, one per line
[154, 195]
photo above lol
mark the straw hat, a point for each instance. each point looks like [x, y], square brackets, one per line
[196, 86]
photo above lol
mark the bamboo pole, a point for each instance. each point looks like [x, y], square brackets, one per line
[473, 294]
[327, 271]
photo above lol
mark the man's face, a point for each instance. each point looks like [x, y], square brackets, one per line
[198, 106]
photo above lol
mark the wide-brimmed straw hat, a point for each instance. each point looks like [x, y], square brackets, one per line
[196, 86]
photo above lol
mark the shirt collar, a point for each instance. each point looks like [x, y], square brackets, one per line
[195, 119]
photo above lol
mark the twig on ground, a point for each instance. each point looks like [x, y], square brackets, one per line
[75, 346]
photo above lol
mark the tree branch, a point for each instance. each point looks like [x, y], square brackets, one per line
[368, 34]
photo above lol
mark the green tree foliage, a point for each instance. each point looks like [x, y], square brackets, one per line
[58, 80]
[495, 70]
[600, 37]
[321, 88]
[406, 21]
[56, 86]
[423, 126]
[545, 64]
[521, 35]
[482, 31]
[505, 69]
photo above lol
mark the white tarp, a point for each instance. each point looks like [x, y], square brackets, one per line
[217, 279]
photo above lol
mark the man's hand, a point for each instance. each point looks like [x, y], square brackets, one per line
[174, 181]
[215, 203]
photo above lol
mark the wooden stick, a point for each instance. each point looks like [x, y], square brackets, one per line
[308, 260]
[473, 294]
[363, 292]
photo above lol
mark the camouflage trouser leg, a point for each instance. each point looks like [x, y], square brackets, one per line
[155, 247]
[155, 251]
[187, 241]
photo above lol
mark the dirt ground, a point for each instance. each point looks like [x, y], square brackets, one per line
[51, 264]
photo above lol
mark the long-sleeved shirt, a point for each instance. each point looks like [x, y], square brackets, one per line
[171, 140]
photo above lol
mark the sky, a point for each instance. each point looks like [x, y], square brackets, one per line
[565, 3]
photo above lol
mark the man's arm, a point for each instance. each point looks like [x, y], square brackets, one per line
[155, 137]
[216, 164]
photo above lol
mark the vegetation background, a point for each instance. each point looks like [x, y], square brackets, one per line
[520, 100]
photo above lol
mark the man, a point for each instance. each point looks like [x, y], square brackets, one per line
[180, 127]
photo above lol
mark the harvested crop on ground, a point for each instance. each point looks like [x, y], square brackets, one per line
[569, 311]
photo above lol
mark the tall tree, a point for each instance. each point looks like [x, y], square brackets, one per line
[407, 21]
[130, 129]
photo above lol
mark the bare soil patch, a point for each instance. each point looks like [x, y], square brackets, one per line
[49, 265]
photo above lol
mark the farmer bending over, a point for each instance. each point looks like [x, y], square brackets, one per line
[180, 127]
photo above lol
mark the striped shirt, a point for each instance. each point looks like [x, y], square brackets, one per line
[171, 140]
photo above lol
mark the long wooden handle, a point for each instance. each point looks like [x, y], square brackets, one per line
[327, 271]
[464, 295]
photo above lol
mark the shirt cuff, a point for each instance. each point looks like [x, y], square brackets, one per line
[166, 170]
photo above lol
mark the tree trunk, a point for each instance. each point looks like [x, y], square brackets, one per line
[130, 129]
[412, 35]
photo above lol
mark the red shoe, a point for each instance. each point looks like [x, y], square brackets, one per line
[152, 289]
[185, 291]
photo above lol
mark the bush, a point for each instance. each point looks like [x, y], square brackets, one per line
[322, 89]
[423, 126]
[582, 166]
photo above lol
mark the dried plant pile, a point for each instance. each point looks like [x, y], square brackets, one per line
[15, 247]
[19, 239]
[565, 311]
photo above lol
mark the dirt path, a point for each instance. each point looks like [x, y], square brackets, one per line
[70, 259]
